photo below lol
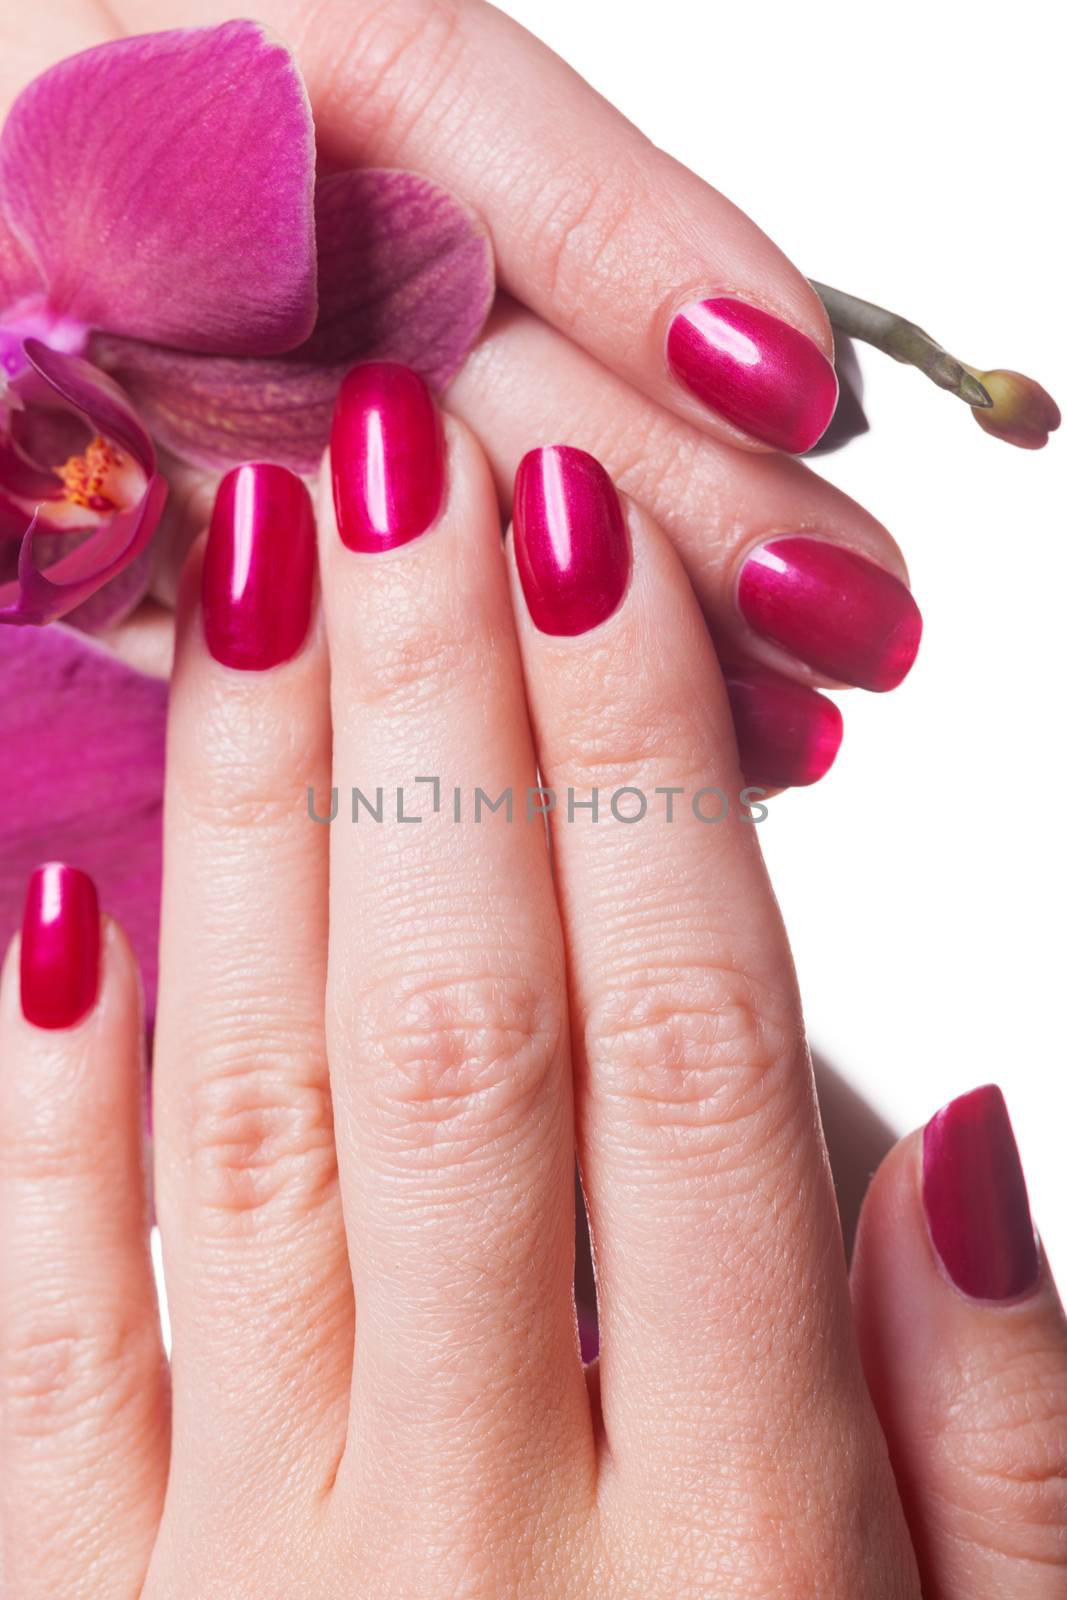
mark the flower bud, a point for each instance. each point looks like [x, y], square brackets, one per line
[1022, 412]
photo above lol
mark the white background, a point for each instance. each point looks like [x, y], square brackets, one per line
[913, 155]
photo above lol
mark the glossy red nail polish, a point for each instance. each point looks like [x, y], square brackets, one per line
[787, 735]
[974, 1196]
[60, 955]
[755, 370]
[846, 617]
[571, 544]
[259, 568]
[388, 457]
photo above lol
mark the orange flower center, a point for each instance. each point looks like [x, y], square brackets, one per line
[97, 480]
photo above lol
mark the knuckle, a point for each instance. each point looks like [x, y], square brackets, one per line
[577, 227]
[1009, 1445]
[387, 60]
[75, 1145]
[417, 652]
[459, 1060]
[258, 1132]
[239, 807]
[62, 1369]
[693, 1053]
[251, 774]
[632, 735]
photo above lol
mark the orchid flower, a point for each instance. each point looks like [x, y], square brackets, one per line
[172, 273]
[176, 286]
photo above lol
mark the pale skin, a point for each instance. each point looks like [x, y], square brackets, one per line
[378, 1053]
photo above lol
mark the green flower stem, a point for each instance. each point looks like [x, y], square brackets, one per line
[903, 341]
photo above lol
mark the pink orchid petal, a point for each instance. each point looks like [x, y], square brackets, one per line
[164, 183]
[19, 278]
[405, 274]
[12, 520]
[119, 596]
[83, 737]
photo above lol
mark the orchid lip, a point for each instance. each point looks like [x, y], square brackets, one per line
[110, 494]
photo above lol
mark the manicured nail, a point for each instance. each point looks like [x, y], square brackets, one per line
[388, 457]
[755, 370]
[787, 735]
[60, 956]
[974, 1196]
[843, 615]
[259, 568]
[571, 545]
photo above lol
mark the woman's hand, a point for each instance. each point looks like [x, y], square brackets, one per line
[380, 1045]
[602, 241]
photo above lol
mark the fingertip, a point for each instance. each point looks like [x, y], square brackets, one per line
[397, 469]
[70, 973]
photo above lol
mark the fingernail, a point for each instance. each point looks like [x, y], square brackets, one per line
[387, 456]
[846, 617]
[571, 545]
[787, 735]
[259, 568]
[974, 1196]
[755, 370]
[60, 956]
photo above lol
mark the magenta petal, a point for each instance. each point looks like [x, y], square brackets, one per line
[13, 521]
[82, 736]
[18, 275]
[20, 477]
[119, 596]
[164, 186]
[405, 274]
[214, 413]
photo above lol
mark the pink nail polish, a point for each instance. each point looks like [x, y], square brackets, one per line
[974, 1196]
[60, 955]
[571, 544]
[259, 568]
[843, 615]
[787, 735]
[388, 458]
[755, 370]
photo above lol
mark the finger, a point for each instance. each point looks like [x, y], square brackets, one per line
[837, 611]
[30, 42]
[250, 1215]
[446, 1009]
[721, 1279]
[965, 1345]
[83, 1383]
[619, 246]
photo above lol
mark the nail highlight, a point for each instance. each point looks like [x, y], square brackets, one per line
[259, 568]
[755, 370]
[387, 455]
[845, 616]
[787, 735]
[60, 954]
[571, 545]
[974, 1196]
